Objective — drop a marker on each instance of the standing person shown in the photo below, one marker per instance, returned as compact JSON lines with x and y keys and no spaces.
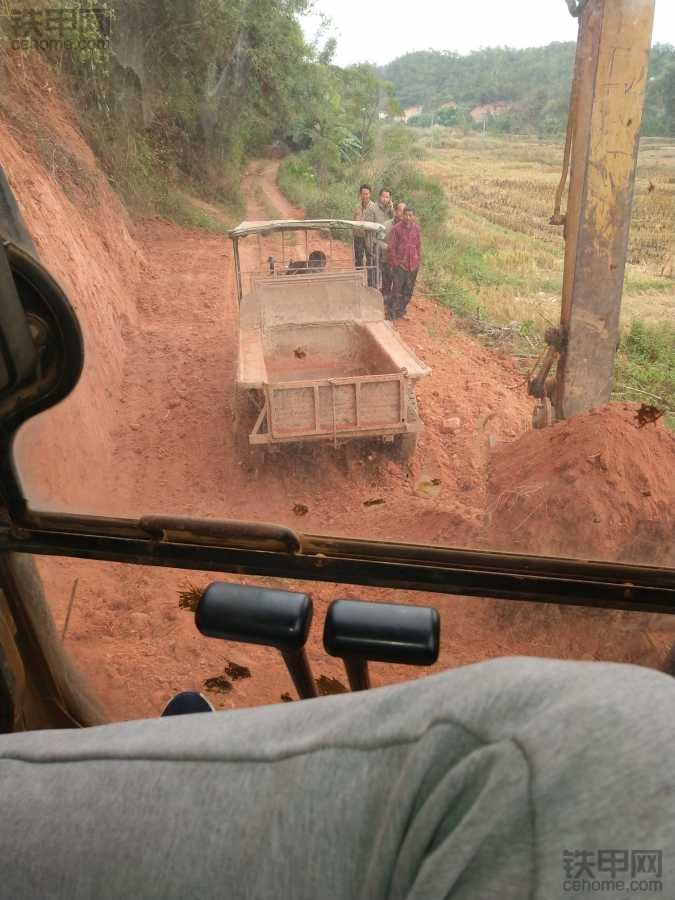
{"x":384,"y":214}
{"x":365,"y":211}
{"x":399,"y":215}
{"x":403,"y":255}
{"x":384,"y":208}
{"x":399,"y":212}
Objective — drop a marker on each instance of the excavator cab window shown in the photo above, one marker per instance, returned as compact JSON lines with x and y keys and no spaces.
{"x":451,"y":436}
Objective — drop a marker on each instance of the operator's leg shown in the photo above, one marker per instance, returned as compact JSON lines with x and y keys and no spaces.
{"x":483,"y":782}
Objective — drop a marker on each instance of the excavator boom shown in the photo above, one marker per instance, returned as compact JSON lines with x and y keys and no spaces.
{"x":608,"y":96}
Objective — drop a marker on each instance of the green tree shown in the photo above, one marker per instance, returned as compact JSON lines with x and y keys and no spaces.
{"x":535,"y":82}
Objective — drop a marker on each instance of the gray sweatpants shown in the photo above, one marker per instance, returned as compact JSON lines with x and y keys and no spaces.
{"x":501,"y":780}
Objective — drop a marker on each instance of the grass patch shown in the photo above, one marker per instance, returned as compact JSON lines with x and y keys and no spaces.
{"x":643,"y":284}
{"x":186,"y":212}
{"x":491,"y":255}
{"x":503,"y":260}
{"x":645,"y":367}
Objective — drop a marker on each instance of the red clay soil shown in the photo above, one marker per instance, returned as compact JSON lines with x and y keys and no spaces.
{"x":599,"y":486}
{"x":83,"y":235}
{"x":149,"y":430}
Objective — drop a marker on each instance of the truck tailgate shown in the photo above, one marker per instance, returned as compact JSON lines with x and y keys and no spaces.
{"x":374,"y":403}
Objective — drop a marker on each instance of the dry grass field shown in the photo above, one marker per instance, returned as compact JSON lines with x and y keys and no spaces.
{"x":507,"y":258}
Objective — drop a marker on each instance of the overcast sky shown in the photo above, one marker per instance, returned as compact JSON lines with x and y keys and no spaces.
{"x":380,"y":30}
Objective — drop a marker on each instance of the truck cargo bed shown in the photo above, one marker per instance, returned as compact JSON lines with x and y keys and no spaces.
{"x":329,"y":350}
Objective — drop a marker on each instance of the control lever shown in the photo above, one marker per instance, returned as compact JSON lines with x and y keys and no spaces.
{"x":358,"y":632}
{"x":251,"y":615}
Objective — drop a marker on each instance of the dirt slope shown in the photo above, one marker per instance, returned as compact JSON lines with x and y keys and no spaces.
{"x":83,"y":235}
{"x":597,"y":486}
{"x":149,"y":430}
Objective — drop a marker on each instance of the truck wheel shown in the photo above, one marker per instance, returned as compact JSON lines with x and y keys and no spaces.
{"x":405,"y":445}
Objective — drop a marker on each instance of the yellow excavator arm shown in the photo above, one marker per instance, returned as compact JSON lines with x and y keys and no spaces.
{"x":608,"y":94}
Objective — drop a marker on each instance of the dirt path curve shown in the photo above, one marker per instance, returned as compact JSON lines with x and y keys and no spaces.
{"x":175,"y":454}
{"x":263,"y":197}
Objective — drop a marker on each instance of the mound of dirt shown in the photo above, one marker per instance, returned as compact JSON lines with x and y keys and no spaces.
{"x":597,"y":486}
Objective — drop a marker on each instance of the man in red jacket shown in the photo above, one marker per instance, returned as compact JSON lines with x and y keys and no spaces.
{"x":404,"y":249}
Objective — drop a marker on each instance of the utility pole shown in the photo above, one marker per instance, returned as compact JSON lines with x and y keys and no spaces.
{"x":611,"y":79}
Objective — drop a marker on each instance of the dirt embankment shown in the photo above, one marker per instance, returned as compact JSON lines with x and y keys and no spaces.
{"x":82,"y":234}
{"x":600,"y":486}
{"x":150,"y":430}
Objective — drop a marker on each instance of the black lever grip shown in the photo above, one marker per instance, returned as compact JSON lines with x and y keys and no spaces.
{"x":252,"y":615}
{"x":382,"y":632}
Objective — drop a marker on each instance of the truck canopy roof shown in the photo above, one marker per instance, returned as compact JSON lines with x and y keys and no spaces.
{"x":246,"y":228}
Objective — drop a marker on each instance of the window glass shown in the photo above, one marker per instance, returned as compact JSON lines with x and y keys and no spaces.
{"x":342,"y":381}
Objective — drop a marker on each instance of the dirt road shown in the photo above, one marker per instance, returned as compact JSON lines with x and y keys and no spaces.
{"x":149,"y":430}
{"x":175,"y":443}
{"x":174,"y":452}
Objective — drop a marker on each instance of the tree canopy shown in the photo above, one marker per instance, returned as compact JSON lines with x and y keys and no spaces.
{"x":534,"y":82}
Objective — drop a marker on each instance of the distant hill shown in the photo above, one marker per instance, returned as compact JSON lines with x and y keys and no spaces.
{"x":530,"y":86}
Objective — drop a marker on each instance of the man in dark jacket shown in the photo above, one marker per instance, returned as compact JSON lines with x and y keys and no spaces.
{"x":403,"y":255}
